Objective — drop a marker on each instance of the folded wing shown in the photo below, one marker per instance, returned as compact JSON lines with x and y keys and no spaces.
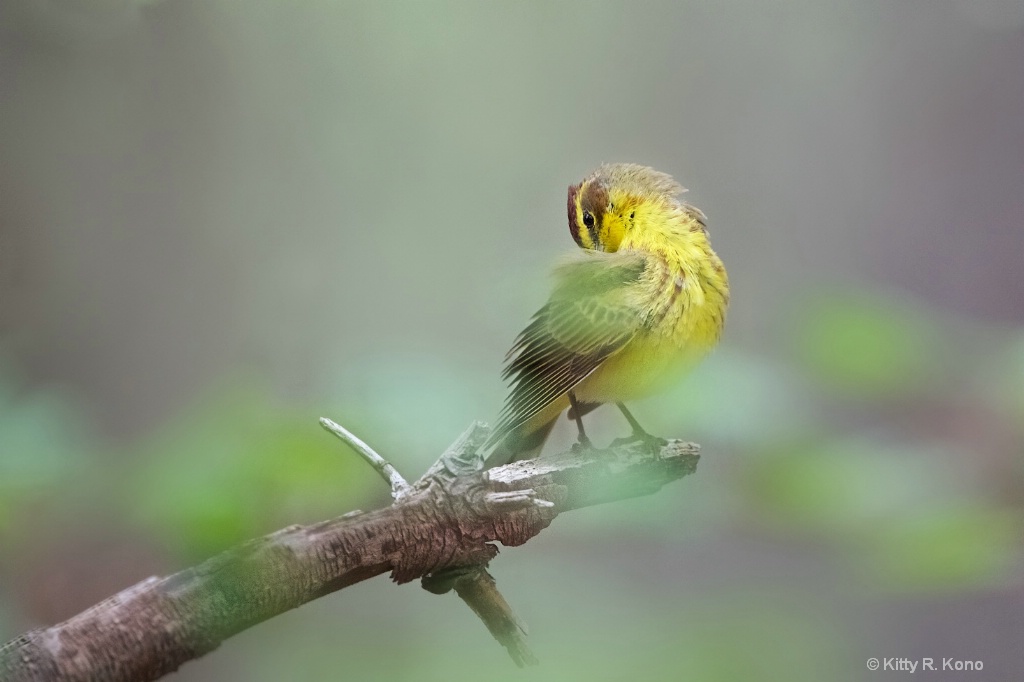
{"x":593,"y":311}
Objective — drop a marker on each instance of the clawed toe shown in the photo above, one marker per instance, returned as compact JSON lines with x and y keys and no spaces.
{"x":583,"y":443}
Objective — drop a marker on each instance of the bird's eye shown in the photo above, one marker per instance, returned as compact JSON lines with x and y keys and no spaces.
{"x":588,"y":218}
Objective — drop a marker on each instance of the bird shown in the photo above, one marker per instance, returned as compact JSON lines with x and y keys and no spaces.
{"x":642,"y":302}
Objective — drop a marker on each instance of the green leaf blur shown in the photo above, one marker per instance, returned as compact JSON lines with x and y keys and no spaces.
{"x":866,"y":345}
{"x":236,"y":465}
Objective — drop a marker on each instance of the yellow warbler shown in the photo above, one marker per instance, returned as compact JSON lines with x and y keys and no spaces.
{"x":644,"y":302}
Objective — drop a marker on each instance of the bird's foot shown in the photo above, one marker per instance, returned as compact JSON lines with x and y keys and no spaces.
{"x":582,"y":443}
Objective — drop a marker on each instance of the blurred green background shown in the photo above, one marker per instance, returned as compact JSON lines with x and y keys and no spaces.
{"x":221,"y":220}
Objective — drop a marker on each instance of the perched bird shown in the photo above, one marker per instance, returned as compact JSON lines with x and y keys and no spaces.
{"x":644,"y":302}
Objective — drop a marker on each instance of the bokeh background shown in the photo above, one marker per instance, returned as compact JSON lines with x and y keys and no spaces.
{"x":222,"y":220}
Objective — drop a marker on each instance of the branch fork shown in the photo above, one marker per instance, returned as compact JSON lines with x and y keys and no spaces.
{"x":471,"y":582}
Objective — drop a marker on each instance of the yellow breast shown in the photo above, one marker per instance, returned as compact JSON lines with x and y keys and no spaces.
{"x":685,"y":293}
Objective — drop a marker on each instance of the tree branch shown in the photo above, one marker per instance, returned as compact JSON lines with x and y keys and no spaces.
{"x":441,"y":529}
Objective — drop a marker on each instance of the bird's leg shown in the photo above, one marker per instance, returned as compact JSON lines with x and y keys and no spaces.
{"x":639,"y":434}
{"x":583,"y":441}
{"x":637,"y":429}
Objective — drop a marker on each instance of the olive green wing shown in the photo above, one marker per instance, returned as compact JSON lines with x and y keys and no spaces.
{"x":593,"y":311}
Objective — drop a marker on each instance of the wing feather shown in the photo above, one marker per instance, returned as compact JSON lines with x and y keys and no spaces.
{"x":591,"y":314}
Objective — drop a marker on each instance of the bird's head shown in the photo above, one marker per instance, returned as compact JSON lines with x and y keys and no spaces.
{"x":618,"y":199}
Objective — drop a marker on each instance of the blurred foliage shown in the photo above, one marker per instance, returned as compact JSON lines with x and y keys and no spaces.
{"x":410,"y":407}
{"x":1006,"y":375}
{"x":957,"y":546}
{"x":888,"y":501}
{"x":739,"y":398}
{"x":45,"y":447}
{"x":829,"y":488}
{"x":889,"y":511}
{"x":237,"y":464}
{"x":45,"y":443}
{"x":867,"y":346}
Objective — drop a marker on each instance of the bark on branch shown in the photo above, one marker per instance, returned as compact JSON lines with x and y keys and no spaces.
{"x":440,"y":529}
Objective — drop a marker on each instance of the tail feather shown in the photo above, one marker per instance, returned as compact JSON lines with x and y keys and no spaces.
{"x":517,"y":445}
